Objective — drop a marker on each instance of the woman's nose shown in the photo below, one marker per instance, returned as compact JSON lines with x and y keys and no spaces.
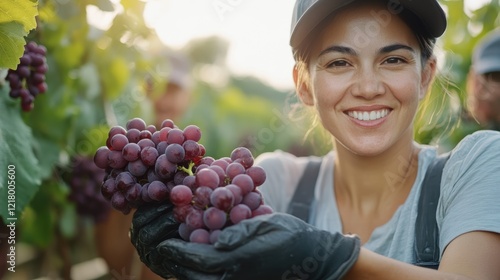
{"x":368,"y":84}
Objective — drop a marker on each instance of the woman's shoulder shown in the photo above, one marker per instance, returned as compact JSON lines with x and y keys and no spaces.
{"x":482,"y":144}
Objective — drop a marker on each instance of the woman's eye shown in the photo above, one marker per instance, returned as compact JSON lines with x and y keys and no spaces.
{"x":338,"y":63}
{"x":394,"y":60}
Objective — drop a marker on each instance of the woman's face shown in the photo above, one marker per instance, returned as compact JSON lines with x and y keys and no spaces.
{"x":366,"y":79}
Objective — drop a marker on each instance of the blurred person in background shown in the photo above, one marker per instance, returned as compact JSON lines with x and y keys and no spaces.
{"x":168,"y":88}
{"x":483,"y":82}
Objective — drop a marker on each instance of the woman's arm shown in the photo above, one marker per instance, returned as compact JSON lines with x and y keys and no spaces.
{"x":474,"y":255}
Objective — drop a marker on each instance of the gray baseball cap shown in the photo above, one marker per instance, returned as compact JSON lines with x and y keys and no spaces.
{"x":308,"y":14}
{"x":486,"y":56}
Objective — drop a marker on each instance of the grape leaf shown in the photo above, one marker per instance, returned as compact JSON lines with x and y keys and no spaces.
{"x":17,"y":18}
{"x":16,"y":151}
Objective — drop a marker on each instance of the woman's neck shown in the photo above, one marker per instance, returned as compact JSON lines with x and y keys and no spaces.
{"x":366,"y":184}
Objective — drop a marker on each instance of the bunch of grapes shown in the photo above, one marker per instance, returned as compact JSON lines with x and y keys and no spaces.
{"x":147,"y":165}
{"x":85,"y":180}
{"x":28,"y":80}
{"x":222,"y":192}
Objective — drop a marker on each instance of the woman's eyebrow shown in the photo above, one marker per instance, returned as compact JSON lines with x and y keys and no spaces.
{"x":394,"y":47}
{"x":340,"y":49}
{"x":351,"y":51}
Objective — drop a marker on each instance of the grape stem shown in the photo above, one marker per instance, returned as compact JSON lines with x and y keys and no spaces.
{"x":188,"y":170}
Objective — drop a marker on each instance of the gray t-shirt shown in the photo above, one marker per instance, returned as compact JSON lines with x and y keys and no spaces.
{"x":469,"y":201}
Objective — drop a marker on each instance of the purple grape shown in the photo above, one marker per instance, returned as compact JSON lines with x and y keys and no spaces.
{"x":158,"y":191}
{"x":252,"y":200}
{"x":191,"y":148}
{"x":149,"y":155}
{"x":116,"y":160}
{"x":201,"y":197}
{"x":181,"y":195}
{"x":137,"y":168}
{"x":119,"y":141}
{"x":145,"y":142}
{"x":168,"y":123}
{"x":164,"y":168}
{"x":101,"y":157}
{"x":194,"y":219}
{"x":207,"y":177}
{"x":245,"y":182}
{"x":175,"y":153}
{"x":239,"y":213}
{"x":184,"y":231}
{"x":237,"y":193}
{"x":214,"y":235}
{"x":257,"y":174}
{"x":200,"y":235}
{"x":181,"y":212}
{"x":175,"y":136}
{"x":133,"y":135}
{"x":214,"y":218}
{"x":262,"y":210}
{"x":136,"y":123}
{"x":222,"y":198}
{"x":131,"y":152}
{"x":124,"y":181}
{"x":243,"y":156}
{"x":192,"y":132}
{"x":234,"y":169}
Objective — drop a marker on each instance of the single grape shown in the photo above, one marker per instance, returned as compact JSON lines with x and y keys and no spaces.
{"x":239,"y":213}
{"x":201,"y":197}
{"x":168,"y":123}
{"x":101,"y":157}
{"x":237,"y":193}
{"x":181,"y":195}
{"x":222,"y":198}
{"x":262,"y":210}
{"x":184,"y":231}
{"x":158,"y":191}
{"x":200,"y":235}
{"x":164,"y":168}
{"x":191,"y":148}
{"x":252,"y":200}
{"x":175,"y":136}
{"x":214,"y":235}
{"x":243,"y":156}
{"x":214,"y":218}
{"x":207,"y":177}
{"x":245,"y":182}
{"x":181,"y":212}
{"x":257,"y":174}
{"x":133,"y":135}
{"x":194,"y":219}
{"x":131,"y":152}
{"x":234,"y":169}
{"x":175,"y":153}
{"x":149,"y":155}
{"x":137,"y":168}
{"x":119,"y":141}
{"x":136,"y":123}
{"x":192,"y":132}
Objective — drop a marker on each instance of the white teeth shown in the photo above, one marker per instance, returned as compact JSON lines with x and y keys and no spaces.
{"x":368,"y":116}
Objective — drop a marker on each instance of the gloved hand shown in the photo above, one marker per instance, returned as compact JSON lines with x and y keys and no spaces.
{"x":153,"y":223}
{"x":273,"y":246}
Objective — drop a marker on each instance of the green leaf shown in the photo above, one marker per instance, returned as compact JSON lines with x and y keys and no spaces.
{"x":16,"y":151}
{"x":17,"y":18}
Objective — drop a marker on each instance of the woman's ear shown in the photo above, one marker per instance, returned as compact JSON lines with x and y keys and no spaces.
{"x":428,"y":74}
{"x":302,"y":88}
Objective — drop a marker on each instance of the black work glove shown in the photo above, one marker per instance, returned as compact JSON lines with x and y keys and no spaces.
{"x":153,"y":223}
{"x":273,"y":246}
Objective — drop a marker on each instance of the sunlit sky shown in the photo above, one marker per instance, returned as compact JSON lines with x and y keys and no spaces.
{"x":257,"y":31}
